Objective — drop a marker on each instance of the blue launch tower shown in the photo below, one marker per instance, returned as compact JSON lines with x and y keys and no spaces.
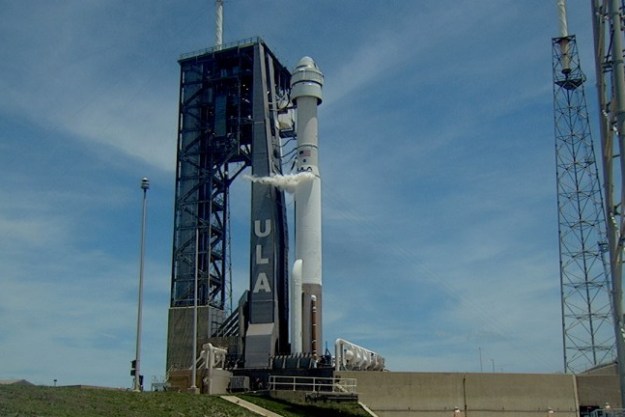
{"x":230,"y":98}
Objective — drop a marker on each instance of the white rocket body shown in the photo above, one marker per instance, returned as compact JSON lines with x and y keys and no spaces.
{"x":296,"y":307}
{"x":306,"y":83}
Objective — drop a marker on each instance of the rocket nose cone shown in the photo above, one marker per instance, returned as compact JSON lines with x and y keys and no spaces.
{"x":306,"y":79}
{"x":307,"y":68}
{"x":306,"y":62}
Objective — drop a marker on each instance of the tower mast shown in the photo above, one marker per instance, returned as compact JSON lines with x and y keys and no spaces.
{"x":587,"y":326}
{"x":219,"y":23}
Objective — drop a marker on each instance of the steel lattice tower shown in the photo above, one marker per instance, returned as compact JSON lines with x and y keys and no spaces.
{"x":227,"y":123}
{"x":588,"y":332}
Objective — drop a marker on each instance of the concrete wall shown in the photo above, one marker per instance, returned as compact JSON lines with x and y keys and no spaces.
{"x":209,"y":381}
{"x":392,"y":394}
{"x":597,"y":390}
{"x":216,"y":381}
{"x":180,"y":334}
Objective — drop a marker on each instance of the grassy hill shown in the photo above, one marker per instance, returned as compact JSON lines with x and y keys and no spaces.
{"x":36,"y":401}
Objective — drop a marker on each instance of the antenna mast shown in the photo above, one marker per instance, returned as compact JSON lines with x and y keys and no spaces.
{"x":564,"y":31}
{"x":219,"y":22}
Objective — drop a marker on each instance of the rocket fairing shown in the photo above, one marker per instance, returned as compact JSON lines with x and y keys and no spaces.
{"x":306,"y":84}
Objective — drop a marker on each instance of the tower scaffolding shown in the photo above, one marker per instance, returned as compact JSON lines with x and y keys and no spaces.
{"x":227,"y":124}
{"x":587,"y":324}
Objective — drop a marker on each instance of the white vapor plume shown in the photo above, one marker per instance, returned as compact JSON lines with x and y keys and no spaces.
{"x":286,"y":182}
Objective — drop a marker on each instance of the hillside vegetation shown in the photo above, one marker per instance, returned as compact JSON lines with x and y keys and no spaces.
{"x":36,"y":401}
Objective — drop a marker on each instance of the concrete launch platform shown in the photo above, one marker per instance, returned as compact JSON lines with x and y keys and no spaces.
{"x":408,"y":394}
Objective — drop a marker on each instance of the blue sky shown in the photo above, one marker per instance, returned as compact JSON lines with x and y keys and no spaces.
{"x":437,"y":158}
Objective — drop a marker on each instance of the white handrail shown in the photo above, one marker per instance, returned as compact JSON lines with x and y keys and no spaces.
{"x":312,"y":384}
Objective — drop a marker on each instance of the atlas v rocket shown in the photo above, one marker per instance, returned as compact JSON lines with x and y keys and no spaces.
{"x":306,"y":299}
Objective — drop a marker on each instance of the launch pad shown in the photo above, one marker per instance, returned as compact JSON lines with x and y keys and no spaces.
{"x":228,"y":121}
{"x":238,"y":108}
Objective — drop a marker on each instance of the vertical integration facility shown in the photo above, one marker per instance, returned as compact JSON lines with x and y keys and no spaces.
{"x":239,"y":108}
{"x":230,"y":98}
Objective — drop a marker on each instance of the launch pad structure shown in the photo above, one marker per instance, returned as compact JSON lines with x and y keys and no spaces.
{"x":228,"y":121}
{"x":237,"y":108}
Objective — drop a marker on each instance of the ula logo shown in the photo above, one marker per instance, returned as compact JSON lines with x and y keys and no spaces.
{"x":261,"y":283}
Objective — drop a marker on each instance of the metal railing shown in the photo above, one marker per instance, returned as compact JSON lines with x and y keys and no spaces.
{"x":312,"y":384}
{"x":240,"y":43}
{"x":608,"y":412}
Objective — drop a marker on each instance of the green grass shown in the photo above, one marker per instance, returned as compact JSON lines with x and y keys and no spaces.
{"x":36,"y":401}
{"x":286,"y":409}
{"x":29,"y":401}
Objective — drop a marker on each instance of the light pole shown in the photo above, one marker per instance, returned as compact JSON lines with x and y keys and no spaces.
{"x":194,"y":358}
{"x":145,"y":185}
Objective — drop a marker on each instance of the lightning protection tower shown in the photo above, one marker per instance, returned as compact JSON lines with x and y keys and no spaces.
{"x":587,"y":325}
